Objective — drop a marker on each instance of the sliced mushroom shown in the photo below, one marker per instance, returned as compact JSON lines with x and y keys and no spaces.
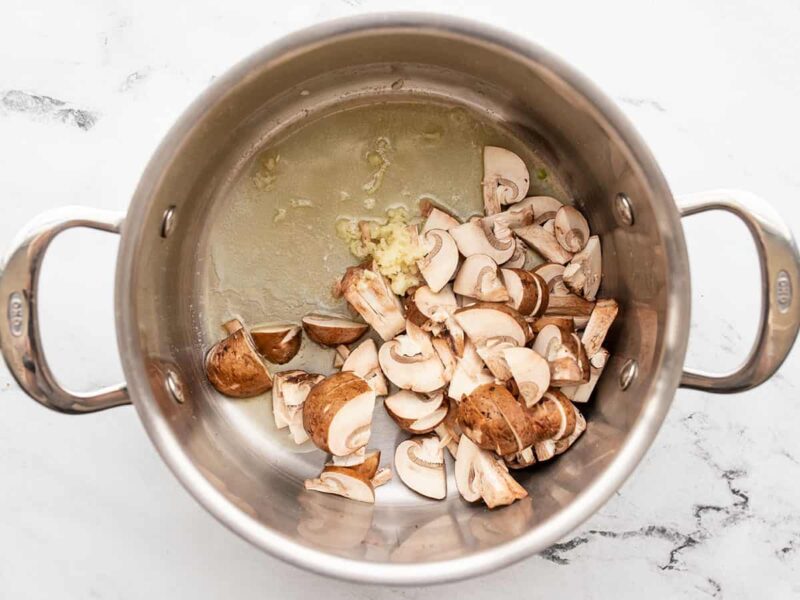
{"x":492,"y":350}
{"x":382,"y":477}
{"x":517,"y":260}
{"x":564,"y":444}
{"x":566,"y":412}
{"x":444,"y":351}
{"x":353,"y":482}
{"x":410,"y":362}
{"x":438,"y":219}
{"x":411,"y":411}
{"x":505,"y":179}
{"x":363,"y":361}
{"x":277,"y":342}
{"x":545,"y":450}
{"x":603,"y":315}
{"x":338,"y":412}
{"x":448,"y":430}
{"x":470,"y":372}
{"x":479,"y":475}
{"x":531,"y":373}
{"x":544,"y":242}
{"x":351,"y":460}
{"x":479,"y":278}
{"x":426,"y":308}
{"x":333,"y":330}
{"x":486,"y":320}
{"x":544,"y":208}
{"x":569,"y":306}
{"x":527,"y":291}
{"x":583,"y":392}
{"x":441,"y":260}
{"x":473,"y":237}
{"x":566,"y":356}
{"x":502,"y":223}
{"x":584,"y":272}
{"x":371,"y":297}
{"x":566,"y":324}
{"x":520,"y":460}
{"x":494,"y":420}
{"x":342,"y":352}
{"x":571,"y":229}
{"x":234,"y":366}
{"x":553,"y":274}
{"x":289,"y":392}
{"x":420,"y":465}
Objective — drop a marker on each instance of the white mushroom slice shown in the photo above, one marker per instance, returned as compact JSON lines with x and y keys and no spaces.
{"x":409,"y":406}
{"x":430,"y":422}
{"x":553,"y":274}
{"x":370,"y":296}
{"x":473,"y":237}
{"x":583,"y":393}
{"x":289,"y":392}
{"x":584,"y":272}
{"x":550,"y":226}
{"x":492,"y":352}
{"x":483,"y":320}
{"x":603,"y":315}
{"x":479,"y":278}
{"x":520,"y":460}
{"x":544,"y":242}
{"x":381,"y":477}
{"x":439,"y":219}
{"x":569,"y":306}
{"x":409,"y":370}
{"x":342,"y":484}
{"x":234,"y":366}
{"x":350,"y":460}
{"x":446,"y":355}
{"x":338,"y":412}
{"x":531,"y":373}
{"x":435,"y":306}
{"x":419,"y":463}
{"x":545,"y":450}
{"x":363,"y":361}
{"x":277,"y":342}
{"x":479,"y":475}
{"x":517,"y":260}
{"x":544,"y":208}
{"x":564,"y":444}
{"x":527,"y":291}
{"x":342,"y":352}
{"x":571,"y":229}
{"x":502,"y":223}
{"x":505,"y":178}
{"x":441,"y":261}
{"x":470,"y":373}
{"x":333,"y":330}
{"x":565,"y":355}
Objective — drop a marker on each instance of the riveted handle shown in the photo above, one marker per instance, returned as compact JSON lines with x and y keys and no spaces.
{"x":780,"y":277}
{"x":19,"y":335}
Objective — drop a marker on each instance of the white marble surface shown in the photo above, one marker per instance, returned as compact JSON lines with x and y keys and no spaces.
{"x":87,"y":510}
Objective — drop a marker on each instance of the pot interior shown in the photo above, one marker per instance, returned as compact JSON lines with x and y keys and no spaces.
{"x":244,"y":244}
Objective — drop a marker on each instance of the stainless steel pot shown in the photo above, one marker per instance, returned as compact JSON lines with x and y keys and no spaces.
{"x":583,"y":136}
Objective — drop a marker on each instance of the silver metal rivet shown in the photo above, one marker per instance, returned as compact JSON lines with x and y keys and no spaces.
{"x":168,"y":221}
{"x":174,"y":386}
{"x":628,"y":373}
{"x":624,"y":209}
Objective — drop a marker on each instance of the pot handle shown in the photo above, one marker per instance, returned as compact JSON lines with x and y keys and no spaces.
{"x":780,"y":278}
{"x":19,"y":335}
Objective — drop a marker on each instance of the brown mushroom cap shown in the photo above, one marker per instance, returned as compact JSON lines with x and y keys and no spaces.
{"x":235,"y":368}
{"x":277,"y":342}
{"x":337,"y":413}
{"x":528,"y":292}
{"x":495,"y":420}
{"x":333,"y":330}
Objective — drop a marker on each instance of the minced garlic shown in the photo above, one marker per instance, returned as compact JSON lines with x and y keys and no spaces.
{"x":393,"y":246}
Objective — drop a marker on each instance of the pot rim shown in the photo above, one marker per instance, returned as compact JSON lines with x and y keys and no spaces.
{"x":643,"y":432}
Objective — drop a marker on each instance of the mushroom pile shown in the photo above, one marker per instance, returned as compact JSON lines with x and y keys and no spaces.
{"x":488,"y":359}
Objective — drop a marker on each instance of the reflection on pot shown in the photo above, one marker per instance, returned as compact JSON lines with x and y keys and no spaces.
{"x":334,"y":522}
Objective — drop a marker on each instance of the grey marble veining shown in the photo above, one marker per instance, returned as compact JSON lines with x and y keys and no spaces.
{"x":87,"y":89}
